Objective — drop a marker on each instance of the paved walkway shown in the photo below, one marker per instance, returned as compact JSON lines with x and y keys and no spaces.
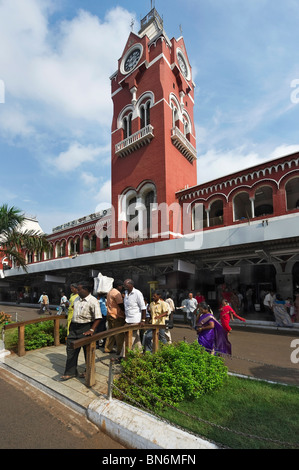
{"x":44,"y":367}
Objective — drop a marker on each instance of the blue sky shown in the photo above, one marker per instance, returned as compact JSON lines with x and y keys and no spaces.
{"x":56,"y":57}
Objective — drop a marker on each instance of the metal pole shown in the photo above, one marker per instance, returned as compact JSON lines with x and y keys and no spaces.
{"x":110,"y":379}
{"x":2,"y":345}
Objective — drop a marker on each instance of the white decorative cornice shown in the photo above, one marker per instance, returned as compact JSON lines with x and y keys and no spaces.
{"x":253,"y":174}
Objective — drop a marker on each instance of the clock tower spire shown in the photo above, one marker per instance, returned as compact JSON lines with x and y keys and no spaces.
{"x":153,"y":132}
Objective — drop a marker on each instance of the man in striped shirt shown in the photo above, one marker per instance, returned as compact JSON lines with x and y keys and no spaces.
{"x":86,"y":317}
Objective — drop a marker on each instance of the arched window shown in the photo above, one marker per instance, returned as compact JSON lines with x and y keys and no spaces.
{"x":49,"y":254}
{"x":74,"y":246}
{"x":216,"y":213}
{"x":86,"y":244}
{"x":263,"y":201}
{"x":127,"y":125}
{"x":29,"y":257}
{"x":242,"y":206}
{"x":105,"y":243}
{"x":292,"y":193}
{"x":93,"y":242}
{"x":60,"y":249}
{"x":186,"y":127}
{"x":175,"y":115}
{"x":148,"y":202}
{"x":199,"y":216}
{"x":145,"y":114}
{"x":132,"y":215}
{"x":37,"y":256}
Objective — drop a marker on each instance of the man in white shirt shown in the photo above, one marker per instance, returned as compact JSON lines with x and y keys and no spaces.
{"x":191,"y":308}
{"x":268,"y":302}
{"x":63,"y":303}
{"x":135,"y":311}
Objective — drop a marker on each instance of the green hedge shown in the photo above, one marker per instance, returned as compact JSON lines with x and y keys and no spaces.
{"x":176,"y":372}
{"x":39,"y":335}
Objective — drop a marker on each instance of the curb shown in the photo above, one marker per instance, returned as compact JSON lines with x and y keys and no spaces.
{"x":131,"y":427}
{"x":137,"y":429}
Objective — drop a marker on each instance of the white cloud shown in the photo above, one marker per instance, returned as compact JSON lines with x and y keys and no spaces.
{"x":14,"y":122}
{"x":284,"y":150}
{"x":215,"y":164}
{"x":103,"y":198}
{"x":75,"y":156}
{"x":89,"y":179}
{"x":63,"y":69}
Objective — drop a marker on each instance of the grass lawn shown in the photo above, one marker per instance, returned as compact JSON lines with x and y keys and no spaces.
{"x":246,"y":406}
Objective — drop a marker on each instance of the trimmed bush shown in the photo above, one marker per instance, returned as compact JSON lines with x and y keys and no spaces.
{"x":40,"y":335}
{"x":176,"y":372}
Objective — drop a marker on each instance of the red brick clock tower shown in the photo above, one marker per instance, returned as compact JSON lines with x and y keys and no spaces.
{"x":153,"y":132}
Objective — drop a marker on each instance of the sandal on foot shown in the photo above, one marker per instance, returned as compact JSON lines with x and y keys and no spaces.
{"x":63,"y":378}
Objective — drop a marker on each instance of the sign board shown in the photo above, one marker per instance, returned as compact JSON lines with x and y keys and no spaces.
{"x":184,"y":266}
{"x":231,"y":270}
{"x":50,"y":278}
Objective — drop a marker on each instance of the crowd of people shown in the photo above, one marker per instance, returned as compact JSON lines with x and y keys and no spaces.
{"x":284,"y":311}
{"x":124,"y":304}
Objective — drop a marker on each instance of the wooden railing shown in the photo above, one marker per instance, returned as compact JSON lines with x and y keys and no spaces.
{"x":21,"y":330}
{"x":90,"y":343}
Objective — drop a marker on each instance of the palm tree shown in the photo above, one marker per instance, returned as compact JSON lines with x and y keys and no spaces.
{"x":14,"y":240}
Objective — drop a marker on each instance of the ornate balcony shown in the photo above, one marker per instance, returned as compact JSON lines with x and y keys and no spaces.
{"x":134,"y":141}
{"x":183,"y":144}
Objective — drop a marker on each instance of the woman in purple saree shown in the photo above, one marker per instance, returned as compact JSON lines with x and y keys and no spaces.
{"x":211,"y":335}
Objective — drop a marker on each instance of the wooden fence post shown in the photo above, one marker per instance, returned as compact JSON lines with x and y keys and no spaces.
{"x":56,"y":332}
{"x":90,"y":364}
{"x":128,"y":341}
{"x":21,"y":340}
{"x":155,"y":340}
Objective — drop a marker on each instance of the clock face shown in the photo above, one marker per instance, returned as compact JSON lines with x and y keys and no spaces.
{"x":132,"y":60}
{"x":183,"y":65}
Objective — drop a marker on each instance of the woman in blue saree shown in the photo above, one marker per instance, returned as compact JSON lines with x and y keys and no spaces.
{"x":211,"y":334}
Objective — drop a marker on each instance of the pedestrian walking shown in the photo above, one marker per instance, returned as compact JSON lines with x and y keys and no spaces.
{"x":115,"y":317}
{"x":86,"y":317}
{"x":135,"y":311}
{"x":74,"y":295}
{"x":227,"y":314}
{"x":268,"y":302}
{"x":211,"y":335}
{"x":44,"y":304}
{"x":191,"y":309}
{"x":64,"y":303}
{"x":102,"y":325}
{"x":159,"y":310}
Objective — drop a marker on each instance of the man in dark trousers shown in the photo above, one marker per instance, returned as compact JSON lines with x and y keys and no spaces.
{"x":86,"y":317}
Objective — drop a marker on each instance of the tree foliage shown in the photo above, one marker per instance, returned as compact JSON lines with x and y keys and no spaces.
{"x":15,"y":239}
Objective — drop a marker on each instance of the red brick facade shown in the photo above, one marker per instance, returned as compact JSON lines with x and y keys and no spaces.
{"x":153,"y":158}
